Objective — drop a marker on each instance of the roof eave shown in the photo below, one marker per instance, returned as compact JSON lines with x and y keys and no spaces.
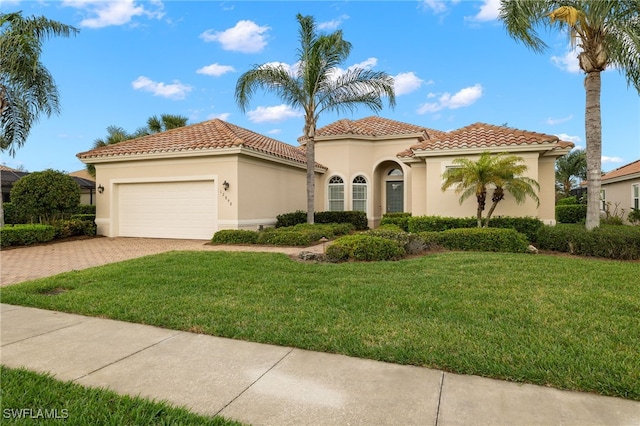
{"x":622,"y":178}
{"x":546,"y":148}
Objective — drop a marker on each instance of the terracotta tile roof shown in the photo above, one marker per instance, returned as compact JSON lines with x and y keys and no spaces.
{"x":208,"y":135}
{"x":374,"y":126}
{"x":481,"y":135}
{"x":7,"y":169}
{"x":625,"y":170}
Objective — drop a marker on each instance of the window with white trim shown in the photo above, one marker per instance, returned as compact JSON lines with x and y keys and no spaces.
{"x":336,"y":194}
{"x":635,"y":199}
{"x":359,"y":194}
{"x":603,"y":199}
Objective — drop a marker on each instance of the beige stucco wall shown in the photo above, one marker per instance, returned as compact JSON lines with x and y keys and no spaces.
{"x":621,"y":193}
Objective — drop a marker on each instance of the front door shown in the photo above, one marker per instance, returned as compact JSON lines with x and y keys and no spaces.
{"x":395,"y":196}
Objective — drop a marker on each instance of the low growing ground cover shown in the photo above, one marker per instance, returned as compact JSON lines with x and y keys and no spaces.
{"x":550,"y":320}
{"x":32,"y":398}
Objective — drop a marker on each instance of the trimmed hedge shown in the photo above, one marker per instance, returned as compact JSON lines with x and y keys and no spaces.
{"x":611,"y":242}
{"x":571,"y":213}
{"x":285,"y":238}
{"x":567,"y":201}
{"x":12,"y":214}
{"x":411,"y":243}
{"x":478,"y":239}
{"x":399,"y":219}
{"x":73,"y":227}
{"x":529,"y":226}
{"x":356,"y":218}
{"x":235,"y":236}
{"x":86,"y":209}
{"x":364,"y":247}
{"x":24,"y":235}
{"x":84,"y":216}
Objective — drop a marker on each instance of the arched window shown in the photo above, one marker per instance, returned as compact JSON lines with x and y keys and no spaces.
{"x":359,"y":194}
{"x":336,"y":194}
{"x":395,"y":172}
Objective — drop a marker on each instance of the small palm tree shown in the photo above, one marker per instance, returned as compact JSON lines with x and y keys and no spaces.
{"x":504,"y":171}
{"x":568,"y":167}
{"x":608,"y":35}
{"x":316,"y":87}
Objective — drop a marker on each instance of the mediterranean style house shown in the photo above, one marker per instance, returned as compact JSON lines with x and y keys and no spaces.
{"x":621,"y":187}
{"x":193,"y":181}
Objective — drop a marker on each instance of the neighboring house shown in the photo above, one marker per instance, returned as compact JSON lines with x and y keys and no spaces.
{"x":192,"y":181}
{"x":87,"y":186}
{"x":10,"y":176}
{"x":621,"y":187}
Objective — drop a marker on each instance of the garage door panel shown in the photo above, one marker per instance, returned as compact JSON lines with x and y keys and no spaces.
{"x":168,"y":209}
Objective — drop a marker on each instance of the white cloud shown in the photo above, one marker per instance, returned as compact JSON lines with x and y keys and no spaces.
{"x":291,"y":69}
{"x":462,"y":98}
{"x":222,"y":116}
{"x":333,"y":24}
{"x":272,"y":114}
{"x":568,"y":138}
{"x":407,"y":82}
{"x":115,"y":12}
{"x":554,"y":121}
{"x":245,"y":37}
{"x":568,"y":62}
{"x":367,"y":64}
{"x":176,"y":90}
{"x":275,"y":131}
{"x":606,"y":159}
{"x":488,"y":11}
{"x":438,"y":6}
{"x":215,"y":70}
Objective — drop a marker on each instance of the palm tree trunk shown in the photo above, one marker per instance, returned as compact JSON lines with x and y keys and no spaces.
{"x":310,"y":133}
{"x":482,"y":198}
{"x":593,"y":134}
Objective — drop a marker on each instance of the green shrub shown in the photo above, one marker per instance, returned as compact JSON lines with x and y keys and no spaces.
{"x":567,"y":201}
{"x":399,"y":219}
{"x":364,"y":247}
{"x":611,"y":242}
{"x":357,"y":219}
{"x":235,"y":236}
{"x":73,"y":227}
{"x":84,"y":216}
{"x":284,"y":238}
{"x":23,"y":235}
{"x":45,"y":196}
{"x":439,"y":223}
{"x":411,"y":243}
{"x":479,"y":239}
{"x":574,"y":213}
{"x":12,"y":214}
{"x":318,"y":230}
{"x":529,"y":226}
{"x":291,"y":219}
{"x":86,"y":209}
{"x":634,"y":216}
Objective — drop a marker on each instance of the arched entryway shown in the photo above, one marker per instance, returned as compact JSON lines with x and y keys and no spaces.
{"x":389,"y":189}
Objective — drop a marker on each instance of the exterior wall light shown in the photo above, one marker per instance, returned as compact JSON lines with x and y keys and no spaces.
{"x":100,"y":189}
{"x":225,"y":185}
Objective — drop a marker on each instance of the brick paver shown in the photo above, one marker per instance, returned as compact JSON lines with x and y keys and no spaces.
{"x":28,"y":263}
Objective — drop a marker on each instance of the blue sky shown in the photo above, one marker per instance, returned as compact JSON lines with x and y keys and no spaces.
{"x":452,"y":61}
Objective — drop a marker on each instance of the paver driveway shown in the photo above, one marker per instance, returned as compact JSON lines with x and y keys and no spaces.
{"x":28,"y":263}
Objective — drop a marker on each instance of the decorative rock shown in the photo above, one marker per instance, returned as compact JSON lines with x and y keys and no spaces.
{"x":309,"y":255}
{"x":531,"y":249}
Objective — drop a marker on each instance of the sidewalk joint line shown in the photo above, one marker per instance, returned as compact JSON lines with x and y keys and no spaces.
{"x":439,"y":399}
{"x":254,"y":382}
{"x":43,"y":333}
{"x":128,"y":356}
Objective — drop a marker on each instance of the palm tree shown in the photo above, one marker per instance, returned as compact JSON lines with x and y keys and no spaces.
{"x":608,"y":35}
{"x":116,"y":134}
{"x":27,"y":89}
{"x":317,"y":86}
{"x":504,"y":171}
{"x":568,"y":167}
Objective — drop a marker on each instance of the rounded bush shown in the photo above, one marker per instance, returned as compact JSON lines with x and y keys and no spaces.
{"x":23,"y":235}
{"x":573,"y":213}
{"x":479,"y":239}
{"x":364,"y":247}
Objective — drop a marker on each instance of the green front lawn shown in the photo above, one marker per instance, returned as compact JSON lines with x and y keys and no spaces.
{"x":559,"y":321}
{"x":31,"y":398}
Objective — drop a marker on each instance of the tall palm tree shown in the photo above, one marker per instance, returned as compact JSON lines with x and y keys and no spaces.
{"x":504,"y":171}
{"x":165,"y":122}
{"x":608,"y":35}
{"x":27,"y":88}
{"x":569,"y":167}
{"x":317,"y":86}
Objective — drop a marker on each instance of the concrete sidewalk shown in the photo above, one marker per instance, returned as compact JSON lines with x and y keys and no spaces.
{"x":271,"y":385}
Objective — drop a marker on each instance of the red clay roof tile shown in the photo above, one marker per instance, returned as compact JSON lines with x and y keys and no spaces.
{"x":374,"y":126}
{"x":212,"y":134}
{"x":625,"y":170}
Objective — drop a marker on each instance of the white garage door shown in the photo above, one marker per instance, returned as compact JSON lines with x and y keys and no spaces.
{"x":168,"y":210}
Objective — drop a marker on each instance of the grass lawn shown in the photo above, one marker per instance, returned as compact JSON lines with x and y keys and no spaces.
{"x":29,"y":398}
{"x":559,"y":321}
